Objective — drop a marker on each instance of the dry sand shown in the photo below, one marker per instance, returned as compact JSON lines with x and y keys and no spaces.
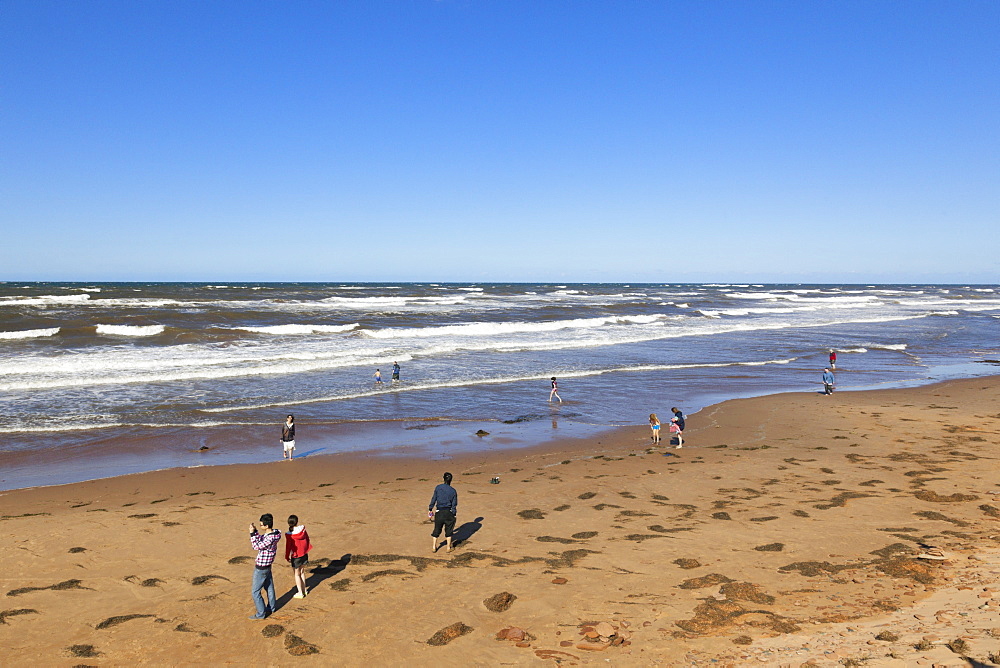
{"x":786,"y":531}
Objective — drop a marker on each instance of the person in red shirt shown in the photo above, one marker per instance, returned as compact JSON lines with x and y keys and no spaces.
{"x":297,"y":548}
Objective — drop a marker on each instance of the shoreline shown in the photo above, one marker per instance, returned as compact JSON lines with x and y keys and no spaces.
{"x":787,"y":529}
{"x":157,"y":448}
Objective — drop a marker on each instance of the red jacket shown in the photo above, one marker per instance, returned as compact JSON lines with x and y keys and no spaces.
{"x":297,"y":542}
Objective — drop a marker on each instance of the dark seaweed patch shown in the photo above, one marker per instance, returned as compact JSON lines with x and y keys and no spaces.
{"x":389,"y":571}
{"x":119,"y":619}
{"x":14,"y":613}
{"x":709,"y":580}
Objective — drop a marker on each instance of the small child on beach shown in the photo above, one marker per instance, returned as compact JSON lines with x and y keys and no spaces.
{"x":654,"y":424}
{"x":378,"y":377}
{"x":555,"y":391}
{"x":297,"y":548}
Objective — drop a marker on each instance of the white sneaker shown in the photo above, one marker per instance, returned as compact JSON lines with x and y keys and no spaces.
{"x":298,"y":595}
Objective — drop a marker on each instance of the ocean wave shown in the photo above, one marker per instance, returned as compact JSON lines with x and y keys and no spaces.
{"x":130,"y":330}
{"x":499,"y":328}
{"x":369,"y":302}
{"x":30,"y":333}
{"x":299,"y":329}
{"x":44,"y":300}
{"x":498,"y":380}
{"x":186,"y":362}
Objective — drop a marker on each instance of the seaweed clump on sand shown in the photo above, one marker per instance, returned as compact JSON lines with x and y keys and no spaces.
{"x":709,"y":580}
{"x":687,"y":563}
{"x":272,"y":630}
{"x":118,"y":619}
{"x":4,"y":614}
{"x":83,"y":651}
{"x":296,"y":646}
{"x":59,"y":586}
{"x":934,"y":497}
{"x":449,"y":633}
{"x":745,"y":591}
{"x":500,"y":602}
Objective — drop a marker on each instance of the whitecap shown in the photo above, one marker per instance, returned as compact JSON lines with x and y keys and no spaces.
{"x":299,"y":329}
{"x":130,"y":330}
{"x":30,"y":333}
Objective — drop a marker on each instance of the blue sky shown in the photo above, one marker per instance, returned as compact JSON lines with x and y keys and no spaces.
{"x":500,"y":141}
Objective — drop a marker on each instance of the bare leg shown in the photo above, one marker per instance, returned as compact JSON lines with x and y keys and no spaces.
{"x":448,"y":541}
{"x":434,"y":548}
{"x":300,"y":581}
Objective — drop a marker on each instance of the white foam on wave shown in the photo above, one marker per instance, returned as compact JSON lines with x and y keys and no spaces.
{"x":299,"y":329}
{"x":500,"y":328}
{"x":472,"y":289}
{"x":489,"y":381}
{"x":44,"y":300}
{"x":130,"y":330}
{"x":30,"y":333}
{"x":369,"y":302}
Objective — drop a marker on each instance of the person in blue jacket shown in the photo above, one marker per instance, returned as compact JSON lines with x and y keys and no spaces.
{"x":828,"y":381}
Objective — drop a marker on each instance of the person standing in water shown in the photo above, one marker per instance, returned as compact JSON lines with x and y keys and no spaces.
{"x":395,"y":372}
{"x":833,"y":359}
{"x":445,"y":500}
{"x":555,"y":391}
{"x":297,"y":548}
{"x":288,"y":438}
{"x":378,"y":377}
{"x":654,"y":424}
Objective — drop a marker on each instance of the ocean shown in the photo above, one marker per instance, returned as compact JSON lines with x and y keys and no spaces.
{"x":100,"y":379}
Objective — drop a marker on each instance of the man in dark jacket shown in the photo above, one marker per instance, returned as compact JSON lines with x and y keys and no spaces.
{"x":445,"y":499}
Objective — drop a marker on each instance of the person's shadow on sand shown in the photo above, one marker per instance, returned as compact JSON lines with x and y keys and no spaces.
{"x":466,"y":531}
{"x":317,"y":575}
{"x":307,"y":453}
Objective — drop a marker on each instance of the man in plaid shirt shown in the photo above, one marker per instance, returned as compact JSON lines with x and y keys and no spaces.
{"x":266,"y":545}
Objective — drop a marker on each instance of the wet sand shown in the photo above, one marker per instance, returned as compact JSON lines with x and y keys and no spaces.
{"x":788,"y":530}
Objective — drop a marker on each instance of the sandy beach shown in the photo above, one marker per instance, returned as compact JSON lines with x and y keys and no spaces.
{"x":790,"y":529}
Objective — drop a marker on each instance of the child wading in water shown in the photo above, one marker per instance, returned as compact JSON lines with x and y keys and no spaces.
{"x":654,"y":424}
{"x":555,"y":391}
{"x":297,"y":548}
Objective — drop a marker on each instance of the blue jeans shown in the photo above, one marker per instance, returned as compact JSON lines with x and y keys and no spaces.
{"x":262,"y":578}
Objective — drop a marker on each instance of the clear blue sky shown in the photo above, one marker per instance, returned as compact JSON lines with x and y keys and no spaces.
{"x":500,"y":140}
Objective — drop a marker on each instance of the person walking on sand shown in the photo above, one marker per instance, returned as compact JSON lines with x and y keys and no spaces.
{"x":378,"y":377}
{"x":266,"y":545}
{"x":654,"y":424}
{"x":828,"y":381}
{"x":395,"y":372}
{"x":555,"y":391}
{"x":297,"y":548}
{"x":833,"y":359}
{"x":445,"y":500}
{"x":288,"y":438}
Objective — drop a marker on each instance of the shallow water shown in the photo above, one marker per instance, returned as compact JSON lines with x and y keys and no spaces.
{"x":166,"y":368}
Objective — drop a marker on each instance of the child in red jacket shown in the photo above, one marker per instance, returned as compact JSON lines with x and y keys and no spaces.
{"x":297,"y":547}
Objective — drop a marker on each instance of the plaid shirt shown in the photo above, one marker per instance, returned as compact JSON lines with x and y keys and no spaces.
{"x":266,"y":546}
